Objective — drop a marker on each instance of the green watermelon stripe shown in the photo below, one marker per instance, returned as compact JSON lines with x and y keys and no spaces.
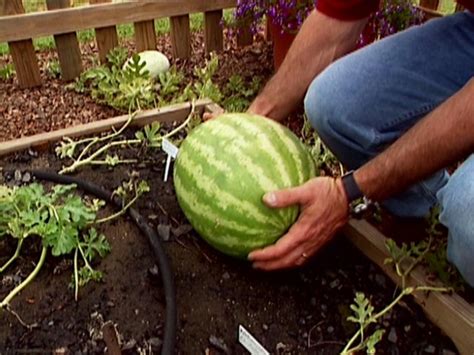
{"x":224,"y":238}
{"x":222,"y":199}
{"x":265,"y":154}
{"x":246,"y":128}
{"x":257,"y":171}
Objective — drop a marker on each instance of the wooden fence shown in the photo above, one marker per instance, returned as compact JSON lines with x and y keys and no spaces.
{"x":63,"y":21}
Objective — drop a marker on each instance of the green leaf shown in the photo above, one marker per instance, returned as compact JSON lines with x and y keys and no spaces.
{"x":373,"y":340}
{"x":95,"y":244}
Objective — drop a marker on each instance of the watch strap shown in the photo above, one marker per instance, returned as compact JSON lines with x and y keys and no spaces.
{"x":353,"y":191}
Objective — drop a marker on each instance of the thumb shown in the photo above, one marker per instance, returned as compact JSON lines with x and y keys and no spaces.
{"x":283,"y":198}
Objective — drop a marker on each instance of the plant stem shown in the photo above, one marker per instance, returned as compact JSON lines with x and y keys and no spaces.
{"x":84,"y":257}
{"x":25,"y":282}
{"x":76,"y":277}
{"x":13,"y":258}
{"x":103,"y":162}
{"x":119,"y":213}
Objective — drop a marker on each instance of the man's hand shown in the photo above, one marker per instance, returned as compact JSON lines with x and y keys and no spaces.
{"x":324,"y":210}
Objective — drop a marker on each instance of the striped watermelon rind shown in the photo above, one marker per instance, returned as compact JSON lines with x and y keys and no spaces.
{"x":223,"y":169}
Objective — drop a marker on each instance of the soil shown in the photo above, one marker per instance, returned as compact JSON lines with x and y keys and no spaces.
{"x":300,"y":311}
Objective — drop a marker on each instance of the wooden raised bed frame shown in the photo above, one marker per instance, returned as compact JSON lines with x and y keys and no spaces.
{"x":450,"y":312}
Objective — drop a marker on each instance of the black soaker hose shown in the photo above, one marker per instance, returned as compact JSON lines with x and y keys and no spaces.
{"x":169,"y":333}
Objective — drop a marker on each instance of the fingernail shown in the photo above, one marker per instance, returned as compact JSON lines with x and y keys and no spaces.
{"x":270,"y":199}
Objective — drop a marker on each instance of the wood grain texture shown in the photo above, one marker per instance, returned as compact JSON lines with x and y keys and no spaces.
{"x":450,"y":312}
{"x":430,"y":4}
{"x":213,"y":34}
{"x":106,"y":37}
{"x":67,"y":46}
{"x":145,"y":37}
{"x":180,"y":36}
{"x":165,"y":114}
{"x":22,"y":52}
{"x":47,"y":23}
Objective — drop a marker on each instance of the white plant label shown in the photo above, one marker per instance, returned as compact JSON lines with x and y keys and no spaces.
{"x":250,"y":343}
{"x":172,"y":152}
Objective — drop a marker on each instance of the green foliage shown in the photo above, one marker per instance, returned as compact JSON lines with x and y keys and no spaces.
{"x":237,"y":96}
{"x":204,"y":87}
{"x":126,"y":89}
{"x":7,"y":71}
{"x":59,"y":219}
{"x":54,"y":69}
{"x":322,"y":156}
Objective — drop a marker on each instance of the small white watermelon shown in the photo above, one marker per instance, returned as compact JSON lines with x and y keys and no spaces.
{"x":155,"y":62}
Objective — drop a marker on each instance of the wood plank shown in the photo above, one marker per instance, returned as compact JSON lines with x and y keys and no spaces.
{"x":429,"y":13}
{"x":430,"y":4}
{"x":244,"y":37}
{"x":19,"y":27}
{"x":106,"y":37}
{"x":459,"y":8}
{"x":145,"y":36}
{"x":22,"y":52}
{"x":180,"y":36}
{"x":450,"y":312}
{"x":67,"y":46}
{"x":213,"y":34}
{"x":165,"y":114}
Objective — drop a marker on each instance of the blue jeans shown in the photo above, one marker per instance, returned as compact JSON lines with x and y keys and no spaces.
{"x":366,"y":100}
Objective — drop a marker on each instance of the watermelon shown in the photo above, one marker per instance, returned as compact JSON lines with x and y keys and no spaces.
{"x":155,"y":62}
{"x":223,"y":169}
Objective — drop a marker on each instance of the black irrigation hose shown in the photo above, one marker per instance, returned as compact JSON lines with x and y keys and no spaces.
{"x":169,"y":334}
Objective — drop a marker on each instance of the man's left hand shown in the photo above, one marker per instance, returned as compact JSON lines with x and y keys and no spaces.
{"x":324,"y":210}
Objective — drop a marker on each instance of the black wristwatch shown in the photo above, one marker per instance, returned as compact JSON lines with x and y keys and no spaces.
{"x":358,"y":203}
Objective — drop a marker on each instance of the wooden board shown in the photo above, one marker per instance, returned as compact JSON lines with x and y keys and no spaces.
{"x":180,"y":36}
{"x":67,"y":46}
{"x":19,"y":27}
{"x":106,"y":37}
{"x":430,"y":4}
{"x":22,"y":52}
{"x":213,"y":34}
{"x":145,"y":37}
{"x":165,"y":114}
{"x":451,"y":313}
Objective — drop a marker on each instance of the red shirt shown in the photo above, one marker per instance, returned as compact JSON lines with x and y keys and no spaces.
{"x":357,"y":9}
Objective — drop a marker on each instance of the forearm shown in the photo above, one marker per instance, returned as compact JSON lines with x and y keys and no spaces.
{"x":320,"y":41}
{"x":441,"y":138}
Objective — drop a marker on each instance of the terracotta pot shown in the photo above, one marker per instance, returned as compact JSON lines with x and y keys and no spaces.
{"x":281,"y":43}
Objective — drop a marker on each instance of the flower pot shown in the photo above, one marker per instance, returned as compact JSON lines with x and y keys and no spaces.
{"x":281,"y":42}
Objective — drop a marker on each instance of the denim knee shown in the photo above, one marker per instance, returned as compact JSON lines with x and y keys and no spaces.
{"x":457,"y":203}
{"x":338,"y":117}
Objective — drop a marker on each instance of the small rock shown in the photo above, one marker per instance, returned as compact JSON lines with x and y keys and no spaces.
{"x":392,"y":336}
{"x":182,"y":230}
{"x":219,"y":344}
{"x":110,"y":304}
{"x":280,"y":348}
{"x":164,"y":231}
{"x":447,"y":352}
{"x":32,"y":153}
{"x":17,"y":175}
{"x":407,"y":328}
{"x":226,"y":276}
{"x":155,"y":343}
{"x":264,"y":326}
{"x":335,"y":283}
{"x":422,"y":325}
{"x":26,"y":177}
{"x":330,"y":330}
{"x":154,"y":271}
{"x":60,"y":351}
{"x":51,"y":323}
{"x":136,"y":311}
{"x":430,"y":349}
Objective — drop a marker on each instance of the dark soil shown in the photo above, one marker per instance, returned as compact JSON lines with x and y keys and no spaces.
{"x":301,"y":311}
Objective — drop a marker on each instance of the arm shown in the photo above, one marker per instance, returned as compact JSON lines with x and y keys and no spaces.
{"x":320,"y":41}
{"x":441,"y":138}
